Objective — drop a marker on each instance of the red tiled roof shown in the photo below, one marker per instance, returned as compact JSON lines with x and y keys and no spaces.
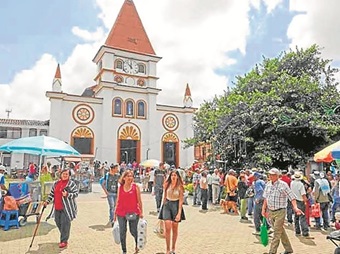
{"x":24,"y":122}
{"x":57,"y":72}
{"x":128,"y":32}
{"x":187,"y":91}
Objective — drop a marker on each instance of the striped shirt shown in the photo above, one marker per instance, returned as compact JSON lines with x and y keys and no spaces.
{"x":70,"y":206}
{"x":277,"y":194}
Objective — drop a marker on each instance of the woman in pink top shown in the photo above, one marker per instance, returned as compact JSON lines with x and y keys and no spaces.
{"x":129,"y":208}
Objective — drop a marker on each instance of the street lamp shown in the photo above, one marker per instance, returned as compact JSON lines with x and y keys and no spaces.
{"x":147,"y":153}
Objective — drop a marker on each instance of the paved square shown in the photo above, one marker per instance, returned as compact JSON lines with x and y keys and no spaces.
{"x":204,"y":233}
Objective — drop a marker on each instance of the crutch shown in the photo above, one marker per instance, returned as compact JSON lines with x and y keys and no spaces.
{"x":37,"y":226}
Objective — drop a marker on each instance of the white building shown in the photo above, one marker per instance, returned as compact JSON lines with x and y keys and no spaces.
{"x":118,"y":118}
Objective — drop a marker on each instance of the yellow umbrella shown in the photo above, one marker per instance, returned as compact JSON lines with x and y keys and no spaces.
{"x":325,"y":155}
{"x":151,"y":163}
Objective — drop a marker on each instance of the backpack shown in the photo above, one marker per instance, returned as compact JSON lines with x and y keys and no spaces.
{"x":111,"y":182}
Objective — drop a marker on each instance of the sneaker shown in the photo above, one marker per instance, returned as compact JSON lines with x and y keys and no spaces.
{"x":289,"y":224}
{"x":62,"y":245}
{"x":297,"y":234}
{"x":244,"y":218}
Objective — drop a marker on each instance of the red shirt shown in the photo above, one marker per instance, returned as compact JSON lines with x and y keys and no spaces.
{"x":127,"y":201}
{"x":58,"y":197}
{"x":286,"y":179}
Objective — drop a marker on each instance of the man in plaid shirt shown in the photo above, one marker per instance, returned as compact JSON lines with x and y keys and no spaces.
{"x":275,"y":196}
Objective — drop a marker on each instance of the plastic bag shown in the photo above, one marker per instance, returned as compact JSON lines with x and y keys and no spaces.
{"x":116,"y":233}
{"x":141,"y":233}
{"x":316,"y":210}
{"x":159,"y":229}
{"x":264,"y":233}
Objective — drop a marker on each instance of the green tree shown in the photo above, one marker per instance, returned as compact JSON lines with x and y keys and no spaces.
{"x":278,"y":114}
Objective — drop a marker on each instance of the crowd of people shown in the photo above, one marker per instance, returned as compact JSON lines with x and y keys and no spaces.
{"x":275,"y":197}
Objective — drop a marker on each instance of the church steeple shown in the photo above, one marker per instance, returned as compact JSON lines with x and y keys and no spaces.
{"x":187,"y":101}
{"x":128,"y":32}
{"x":56,"y":86}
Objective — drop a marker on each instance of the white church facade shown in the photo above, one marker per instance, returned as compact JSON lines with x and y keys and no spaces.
{"x":118,"y":118}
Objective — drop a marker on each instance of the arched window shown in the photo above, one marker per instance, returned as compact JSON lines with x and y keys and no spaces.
{"x":83,"y":140}
{"x":117,"y":106}
{"x":141,"y":110}
{"x":141,"y":68}
{"x":119,"y":64}
{"x":129,"y":108}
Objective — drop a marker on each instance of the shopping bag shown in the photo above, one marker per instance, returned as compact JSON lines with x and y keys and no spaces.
{"x":159,"y":229}
{"x":141,"y":233}
{"x":316,"y":210}
{"x":264,"y":233}
{"x":116,"y":233}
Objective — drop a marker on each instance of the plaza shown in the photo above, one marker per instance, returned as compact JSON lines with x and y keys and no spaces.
{"x":206,"y":233}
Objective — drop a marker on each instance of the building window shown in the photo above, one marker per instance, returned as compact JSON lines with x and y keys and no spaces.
{"x":129,"y":112}
{"x":82,"y":145}
{"x":32,"y":132}
{"x":43,"y":132}
{"x":141,"y":68}
{"x":117,"y":106}
{"x":3,"y":132}
{"x":119,"y":64}
{"x":100,"y":65}
{"x":141,"y":109}
{"x":10,"y":133}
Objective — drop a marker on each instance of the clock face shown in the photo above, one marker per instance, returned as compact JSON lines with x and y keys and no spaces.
{"x":130,"y":66}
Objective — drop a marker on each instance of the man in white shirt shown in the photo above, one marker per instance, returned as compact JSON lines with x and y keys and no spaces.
{"x":299,"y":191}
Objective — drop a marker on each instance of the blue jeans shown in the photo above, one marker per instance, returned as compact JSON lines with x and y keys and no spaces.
{"x":325,"y":216}
{"x":250,"y":203}
{"x":111,"y":199}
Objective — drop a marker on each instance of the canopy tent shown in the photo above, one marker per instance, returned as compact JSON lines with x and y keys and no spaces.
{"x":329,"y":153}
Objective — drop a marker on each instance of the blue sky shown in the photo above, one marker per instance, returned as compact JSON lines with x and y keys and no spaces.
{"x":205,"y":45}
{"x":32,"y":28}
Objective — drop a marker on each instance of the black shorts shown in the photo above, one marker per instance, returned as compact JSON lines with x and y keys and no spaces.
{"x":232,"y":198}
{"x":169,"y":211}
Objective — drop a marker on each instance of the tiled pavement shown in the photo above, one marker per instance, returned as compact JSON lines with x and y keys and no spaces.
{"x":204,"y":233}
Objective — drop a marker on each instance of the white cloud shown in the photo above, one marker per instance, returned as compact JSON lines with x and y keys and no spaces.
{"x":318,"y":23}
{"x":191,"y":36}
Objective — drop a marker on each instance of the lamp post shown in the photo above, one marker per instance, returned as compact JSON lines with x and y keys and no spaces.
{"x":147,"y":153}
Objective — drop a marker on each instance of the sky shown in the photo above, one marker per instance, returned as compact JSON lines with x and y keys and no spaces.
{"x":203,"y":43}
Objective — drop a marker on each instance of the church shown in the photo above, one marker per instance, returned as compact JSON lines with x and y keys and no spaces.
{"x":118,"y":118}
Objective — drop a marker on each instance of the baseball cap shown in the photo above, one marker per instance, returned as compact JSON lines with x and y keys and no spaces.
{"x":2,"y":168}
{"x":274,"y":171}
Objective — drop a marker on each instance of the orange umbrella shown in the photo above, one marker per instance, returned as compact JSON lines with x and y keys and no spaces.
{"x":325,"y":155}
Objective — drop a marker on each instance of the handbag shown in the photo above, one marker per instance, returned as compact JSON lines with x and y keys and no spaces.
{"x":316,"y":210}
{"x":131,"y":216}
{"x":159,"y":229}
{"x":116,"y":232}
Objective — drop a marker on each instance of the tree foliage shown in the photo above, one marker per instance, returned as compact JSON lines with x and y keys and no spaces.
{"x":278,"y":114}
